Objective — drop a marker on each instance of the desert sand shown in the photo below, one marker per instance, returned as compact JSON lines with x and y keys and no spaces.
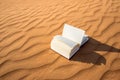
{"x":28,"y":26}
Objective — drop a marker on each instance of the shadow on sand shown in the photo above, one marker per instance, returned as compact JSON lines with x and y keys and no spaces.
{"x":87,"y":52}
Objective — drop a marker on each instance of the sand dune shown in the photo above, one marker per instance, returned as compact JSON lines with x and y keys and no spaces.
{"x":26,"y":30}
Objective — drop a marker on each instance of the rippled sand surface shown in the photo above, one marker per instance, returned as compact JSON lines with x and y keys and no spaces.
{"x":26,"y":30}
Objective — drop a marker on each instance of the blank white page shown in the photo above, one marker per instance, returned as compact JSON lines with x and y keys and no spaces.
{"x":66,"y":41}
{"x":73,"y":33}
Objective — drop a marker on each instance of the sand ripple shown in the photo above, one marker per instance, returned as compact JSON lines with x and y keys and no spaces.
{"x":27,"y":27}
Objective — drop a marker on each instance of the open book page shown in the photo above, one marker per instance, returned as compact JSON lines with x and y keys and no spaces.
{"x":64,"y":46}
{"x":73,"y":33}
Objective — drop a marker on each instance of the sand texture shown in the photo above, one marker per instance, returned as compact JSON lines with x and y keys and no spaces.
{"x":28,"y":26}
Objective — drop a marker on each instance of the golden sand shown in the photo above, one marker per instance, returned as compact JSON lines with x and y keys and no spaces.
{"x":26,"y":30}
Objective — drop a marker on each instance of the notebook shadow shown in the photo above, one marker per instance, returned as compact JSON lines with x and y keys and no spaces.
{"x":87,"y":52}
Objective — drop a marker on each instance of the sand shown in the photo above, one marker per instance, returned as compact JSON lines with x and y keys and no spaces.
{"x":28,"y":26}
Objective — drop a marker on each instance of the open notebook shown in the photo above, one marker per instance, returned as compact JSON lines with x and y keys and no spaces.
{"x":69,"y":42}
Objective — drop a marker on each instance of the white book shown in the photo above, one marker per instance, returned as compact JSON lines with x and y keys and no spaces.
{"x":69,"y":42}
